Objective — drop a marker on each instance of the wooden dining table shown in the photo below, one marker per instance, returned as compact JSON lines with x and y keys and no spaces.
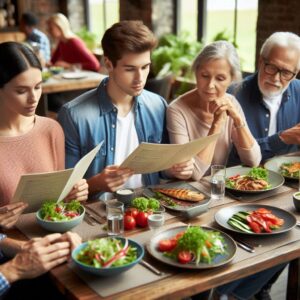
{"x":61,"y":83}
{"x":182,"y":282}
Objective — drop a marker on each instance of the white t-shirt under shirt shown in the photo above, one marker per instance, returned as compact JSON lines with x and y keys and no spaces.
{"x":273,"y":105}
{"x":126,"y":142}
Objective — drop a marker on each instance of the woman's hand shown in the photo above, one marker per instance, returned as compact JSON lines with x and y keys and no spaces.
{"x":9,"y":214}
{"x":225,"y":104}
{"x":182,"y":171}
{"x":79,"y":192}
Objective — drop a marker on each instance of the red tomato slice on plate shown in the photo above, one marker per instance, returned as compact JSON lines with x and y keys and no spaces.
{"x":184,"y":257}
{"x":167,"y":245}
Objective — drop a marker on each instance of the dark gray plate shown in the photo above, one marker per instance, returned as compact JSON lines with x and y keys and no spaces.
{"x":225,"y":213}
{"x":276,"y":180}
{"x":218,"y":261}
{"x":187,"y":209}
{"x":275,"y":163}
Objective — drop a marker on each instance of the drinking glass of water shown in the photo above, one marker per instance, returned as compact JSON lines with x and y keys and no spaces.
{"x":157,"y":219}
{"x":217,"y":182}
{"x":115,"y":217}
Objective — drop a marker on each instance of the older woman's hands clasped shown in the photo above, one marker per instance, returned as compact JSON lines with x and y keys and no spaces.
{"x":222,"y":107}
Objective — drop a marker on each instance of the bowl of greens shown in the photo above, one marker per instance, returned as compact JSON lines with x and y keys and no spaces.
{"x":60,"y":217}
{"x":107,"y":256}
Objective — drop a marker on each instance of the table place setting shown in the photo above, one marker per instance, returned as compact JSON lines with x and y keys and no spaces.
{"x":147,"y":271}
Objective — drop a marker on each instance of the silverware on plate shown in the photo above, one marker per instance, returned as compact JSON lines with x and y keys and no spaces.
{"x":150,"y":267}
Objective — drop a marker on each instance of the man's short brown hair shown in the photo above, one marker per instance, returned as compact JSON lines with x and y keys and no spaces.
{"x":127,"y":37}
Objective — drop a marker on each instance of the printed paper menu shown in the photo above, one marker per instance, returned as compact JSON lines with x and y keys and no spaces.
{"x":36,"y":188}
{"x":149,"y":158}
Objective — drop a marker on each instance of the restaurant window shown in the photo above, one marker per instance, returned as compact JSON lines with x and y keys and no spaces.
{"x":102,"y":15}
{"x":234,"y":20}
{"x":221,"y":19}
{"x":187,"y":17}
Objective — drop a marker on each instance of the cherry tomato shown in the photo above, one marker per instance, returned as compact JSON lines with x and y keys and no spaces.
{"x":132,"y":211}
{"x":142,"y":219}
{"x":184,"y":257}
{"x":167,"y":245}
{"x":129,"y":222}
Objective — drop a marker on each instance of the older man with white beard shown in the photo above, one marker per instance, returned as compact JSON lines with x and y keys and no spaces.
{"x":271,"y":97}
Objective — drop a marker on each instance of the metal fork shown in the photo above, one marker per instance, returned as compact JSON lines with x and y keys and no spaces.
{"x":89,"y":220}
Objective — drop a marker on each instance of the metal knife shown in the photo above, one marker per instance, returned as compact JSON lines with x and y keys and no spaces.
{"x":150,"y":267}
{"x":246,"y":248}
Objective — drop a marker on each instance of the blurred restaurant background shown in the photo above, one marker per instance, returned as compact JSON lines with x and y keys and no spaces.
{"x":183,"y":27}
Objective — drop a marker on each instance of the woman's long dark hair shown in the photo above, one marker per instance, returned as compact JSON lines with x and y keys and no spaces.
{"x":15,"y":58}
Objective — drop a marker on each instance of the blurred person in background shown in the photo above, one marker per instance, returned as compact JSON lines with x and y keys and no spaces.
{"x":70,"y":49}
{"x":36,"y":38}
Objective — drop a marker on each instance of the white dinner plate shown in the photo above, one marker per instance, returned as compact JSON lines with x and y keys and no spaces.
{"x":74,"y":75}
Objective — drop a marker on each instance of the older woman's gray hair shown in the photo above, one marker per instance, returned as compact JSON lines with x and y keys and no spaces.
{"x":281,"y":39}
{"x":220,"y":50}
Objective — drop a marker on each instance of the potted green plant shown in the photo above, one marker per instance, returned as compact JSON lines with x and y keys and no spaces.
{"x":174,"y":55}
{"x":89,"y":38}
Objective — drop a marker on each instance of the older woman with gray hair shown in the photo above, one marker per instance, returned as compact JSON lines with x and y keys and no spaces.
{"x":208,"y":109}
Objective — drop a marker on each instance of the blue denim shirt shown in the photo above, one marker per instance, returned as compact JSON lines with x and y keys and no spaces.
{"x":91,"y":118}
{"x":258,"y":116}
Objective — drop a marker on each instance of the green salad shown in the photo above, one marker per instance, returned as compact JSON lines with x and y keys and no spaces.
{"x":61,"y":211}
{"x":195,"y":245}
{"x":107,"y":252}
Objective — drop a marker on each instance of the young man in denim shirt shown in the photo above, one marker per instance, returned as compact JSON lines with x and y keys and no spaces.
{"x":119,"y":112}
{"x":271,"y":98}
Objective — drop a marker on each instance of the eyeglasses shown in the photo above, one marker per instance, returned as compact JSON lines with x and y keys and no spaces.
{"x":273,"y":70}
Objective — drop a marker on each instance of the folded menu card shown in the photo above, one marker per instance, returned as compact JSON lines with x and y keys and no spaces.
{"x":149,"y":158}
{"x":36,"y":188}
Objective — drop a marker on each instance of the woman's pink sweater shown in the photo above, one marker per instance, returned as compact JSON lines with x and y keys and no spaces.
{"x":42,"y":149}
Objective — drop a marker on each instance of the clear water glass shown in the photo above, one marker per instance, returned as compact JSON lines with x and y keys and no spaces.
{"x":115,"y":217}
{"x":217,"y":182}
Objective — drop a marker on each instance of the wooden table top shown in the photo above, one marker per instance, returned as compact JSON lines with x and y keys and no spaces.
{"x":186,"y":283}
{"x":57,"y":83}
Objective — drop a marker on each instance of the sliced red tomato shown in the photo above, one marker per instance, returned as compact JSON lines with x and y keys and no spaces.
{"x":167,"y":245}
{"x":58,"y":209}
{"x":255,"y":227}
{"x":263,"y":211}
{"x":184,"y":257}
{"x":179,"y":235}
{"x":255,"y":217}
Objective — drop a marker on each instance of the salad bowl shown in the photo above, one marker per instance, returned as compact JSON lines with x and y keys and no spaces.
{"x":59,"y":225}
{"x":108,"y":270}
